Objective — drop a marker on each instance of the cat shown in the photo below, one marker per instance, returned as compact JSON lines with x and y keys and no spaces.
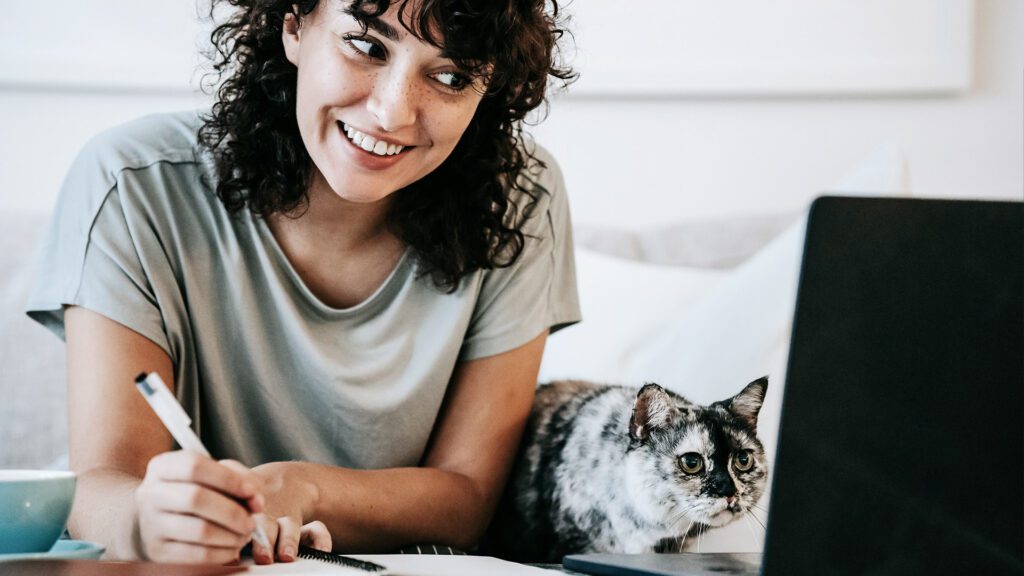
{"x":612,"y":469}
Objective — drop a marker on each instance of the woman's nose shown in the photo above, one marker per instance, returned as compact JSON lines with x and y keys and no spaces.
{"x":393,"y":102}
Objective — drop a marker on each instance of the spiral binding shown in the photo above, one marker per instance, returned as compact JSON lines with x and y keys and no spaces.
{"x":314,"y":554}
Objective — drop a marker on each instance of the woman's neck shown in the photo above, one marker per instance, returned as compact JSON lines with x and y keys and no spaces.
{"x":342,"y":250}
{"x":329,"y":220}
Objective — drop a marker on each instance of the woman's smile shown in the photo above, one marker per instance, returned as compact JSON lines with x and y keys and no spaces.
{"x":372,"y":144}
{"x":370,"y":152}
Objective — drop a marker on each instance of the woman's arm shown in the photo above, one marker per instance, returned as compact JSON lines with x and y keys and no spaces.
{"x":132,"y":494}
{"x":142,"y":501}
{"x":451,"y":498}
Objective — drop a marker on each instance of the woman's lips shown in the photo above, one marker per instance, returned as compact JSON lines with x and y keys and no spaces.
{"x":372,"y":144}
{"x":367,"y":158}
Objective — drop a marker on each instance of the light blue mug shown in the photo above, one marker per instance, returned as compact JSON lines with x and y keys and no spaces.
{"x":34,"y":508}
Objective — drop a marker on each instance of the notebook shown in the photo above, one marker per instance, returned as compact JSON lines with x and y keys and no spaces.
{"x":408,"y":565}
{"x":901,"y":443}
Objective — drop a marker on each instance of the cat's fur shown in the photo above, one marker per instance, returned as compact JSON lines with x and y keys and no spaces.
{"x":599,"y":470}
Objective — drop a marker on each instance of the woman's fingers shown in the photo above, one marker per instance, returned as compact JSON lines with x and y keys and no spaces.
{"x":195,"y":530}
{"x":193,"y":509}
{"x":316,"y":535}
{"x":285,"y":535}
{"x":260,"y":554}
{"x":188,"y":553}
{"x":201,"y":502}
{"x":287,"y":538}
{"x":202,"y":510}
{"x":182,"y":466}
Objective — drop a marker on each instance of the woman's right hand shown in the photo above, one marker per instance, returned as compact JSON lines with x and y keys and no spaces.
{"x":192,"y":509}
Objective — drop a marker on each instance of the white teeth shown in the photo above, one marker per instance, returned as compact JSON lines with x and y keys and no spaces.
{"x":371,"y":144}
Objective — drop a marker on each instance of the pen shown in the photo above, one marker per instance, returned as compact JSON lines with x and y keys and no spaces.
{"x":178,"y":424}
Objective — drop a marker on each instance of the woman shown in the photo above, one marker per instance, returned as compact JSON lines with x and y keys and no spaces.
{"x":346,"y":272}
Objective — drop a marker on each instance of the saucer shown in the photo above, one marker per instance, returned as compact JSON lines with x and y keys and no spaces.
{"x":63,"y":549}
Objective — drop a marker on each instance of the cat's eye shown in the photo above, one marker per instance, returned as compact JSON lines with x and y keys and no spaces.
{"x":743,"y":461}
{"x":691,"y":463}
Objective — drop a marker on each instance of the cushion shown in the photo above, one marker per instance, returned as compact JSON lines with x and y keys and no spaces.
{"x":717,"y":243}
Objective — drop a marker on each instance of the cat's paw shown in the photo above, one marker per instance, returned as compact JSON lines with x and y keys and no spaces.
{"x":671,"y":545}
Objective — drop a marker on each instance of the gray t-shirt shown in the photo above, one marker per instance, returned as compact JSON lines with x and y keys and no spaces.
{"x":266,"y":370}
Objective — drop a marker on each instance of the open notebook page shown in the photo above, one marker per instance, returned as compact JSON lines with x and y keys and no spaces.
{"x":411,"y":565}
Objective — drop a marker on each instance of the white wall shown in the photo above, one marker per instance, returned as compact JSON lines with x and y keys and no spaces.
{"x":640,"y":161}
{"x":643,"y":161}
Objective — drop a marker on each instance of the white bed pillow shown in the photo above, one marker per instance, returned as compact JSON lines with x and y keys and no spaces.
{"x":626,"y":305}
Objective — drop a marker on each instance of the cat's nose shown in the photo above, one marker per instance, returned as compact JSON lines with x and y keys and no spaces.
{"x":730,"y":500}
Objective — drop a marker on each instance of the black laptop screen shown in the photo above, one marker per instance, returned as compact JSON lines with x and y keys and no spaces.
{"x":901,"y":442}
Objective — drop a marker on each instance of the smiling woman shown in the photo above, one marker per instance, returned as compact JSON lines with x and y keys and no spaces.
{"x":346,"y":270}
{"x":453,"y":79}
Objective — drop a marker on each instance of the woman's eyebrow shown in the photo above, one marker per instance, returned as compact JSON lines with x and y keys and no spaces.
{"x":383,"y":28}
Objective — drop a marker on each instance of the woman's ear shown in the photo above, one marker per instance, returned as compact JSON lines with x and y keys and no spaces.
{"x":291,"y":32}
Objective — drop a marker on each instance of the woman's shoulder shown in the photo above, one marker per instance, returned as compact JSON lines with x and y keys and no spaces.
{"x":542,"y":171}
{"x":160,"y":151}
{"x":151,"y":166}
{"x":165,"y":137}
{"x":541,"y":179}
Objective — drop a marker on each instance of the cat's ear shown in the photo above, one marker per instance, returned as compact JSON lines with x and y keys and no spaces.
{"x":746,"y":405}
{"x":653,"y":409}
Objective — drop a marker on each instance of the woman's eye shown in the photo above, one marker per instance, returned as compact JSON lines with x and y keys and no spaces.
{"x":367,"y":47}
{"x":691,"y":463}
{"x":742,"y":461}
{"x":453,"y":80}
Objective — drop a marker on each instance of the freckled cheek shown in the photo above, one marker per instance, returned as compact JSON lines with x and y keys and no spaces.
{"x":331,"y":84}
{"x":449,"y":122}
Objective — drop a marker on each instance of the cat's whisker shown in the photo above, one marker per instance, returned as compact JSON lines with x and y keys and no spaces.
{"x":682,"y":514}
{"x":750,"y":526}
{"x":686,"y":510}
{"x":754,"y":516}
{"x":682,"y":543}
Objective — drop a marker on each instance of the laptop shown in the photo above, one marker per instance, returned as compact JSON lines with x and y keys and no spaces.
{"x":901,"y":442}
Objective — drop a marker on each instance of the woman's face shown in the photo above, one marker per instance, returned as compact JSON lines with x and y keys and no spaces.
{"x":377,"y":111}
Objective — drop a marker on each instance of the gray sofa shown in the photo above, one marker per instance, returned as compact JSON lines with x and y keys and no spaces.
{"x":33,"y":401}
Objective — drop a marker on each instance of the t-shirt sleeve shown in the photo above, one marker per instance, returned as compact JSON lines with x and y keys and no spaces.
{"x":538,"y":291}
{"x":90,"y":255}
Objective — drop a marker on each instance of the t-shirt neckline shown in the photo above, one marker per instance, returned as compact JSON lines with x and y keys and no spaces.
{"x":386,"y":288}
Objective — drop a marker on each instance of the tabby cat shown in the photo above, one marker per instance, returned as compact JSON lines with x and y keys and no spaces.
{"x":612,"y":469}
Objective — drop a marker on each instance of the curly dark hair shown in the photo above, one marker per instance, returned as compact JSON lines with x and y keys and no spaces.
{"x":457,"y":219}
